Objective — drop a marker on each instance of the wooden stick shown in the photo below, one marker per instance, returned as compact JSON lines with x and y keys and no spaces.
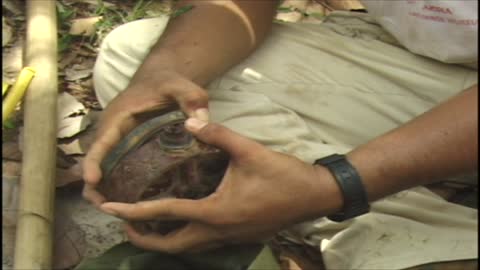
{"x":34,"y":239}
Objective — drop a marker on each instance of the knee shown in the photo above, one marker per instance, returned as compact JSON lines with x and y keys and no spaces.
{"x":121,"y":53}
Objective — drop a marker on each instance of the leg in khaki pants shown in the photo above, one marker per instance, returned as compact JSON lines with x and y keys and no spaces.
{"x":312,"y":90}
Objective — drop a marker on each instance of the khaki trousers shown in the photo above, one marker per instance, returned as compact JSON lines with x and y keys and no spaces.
{"x":311,"y":90}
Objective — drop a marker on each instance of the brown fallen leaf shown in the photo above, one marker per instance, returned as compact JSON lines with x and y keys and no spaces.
{"x":69,"y":175}
{"x":84,"y":62}
{"x":11,"y":169}
{"x":75,"y":87}
{"x":11,"y":151}
{"x":91,"y":2}
{"x":12,"y":62}
{"x":72,"y":74}
{"x":72,"y":148}
{"x":71,"y":116}
{"x":71,"y":126}
{"x":84,"y":26}
{"x":12,"y":6}
{"x":67,"y":59}
{"x":64,"y":161}
{"x":7,"y":32}
{"x":345,"y":4}
{"x":67,"y":106}
{"x":293,"y":16}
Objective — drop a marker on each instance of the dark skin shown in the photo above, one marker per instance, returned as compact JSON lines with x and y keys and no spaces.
{"x":439,"y":143}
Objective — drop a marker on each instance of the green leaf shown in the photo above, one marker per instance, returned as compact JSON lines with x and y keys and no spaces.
{"x":181,"y":10}
{"x":317,"y":15}
{"x":284,"y":9}
{"x":63,"y":13}
{"x":64,"y":42}
{"x":138,"y":11}
{"x":9,"y":124}
{"x":100,"y":9}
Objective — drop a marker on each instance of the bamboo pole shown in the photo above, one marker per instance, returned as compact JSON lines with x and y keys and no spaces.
{"x":34,"y":239}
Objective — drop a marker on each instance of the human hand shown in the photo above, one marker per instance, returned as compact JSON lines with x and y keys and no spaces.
{"x":130,"y":108}
{"x":261,"y":193}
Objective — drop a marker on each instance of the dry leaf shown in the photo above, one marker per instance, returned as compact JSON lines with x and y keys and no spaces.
{"x":67,"y":59}
{"x":7,"y":32}
{"x":293,"y":16}
{"x":11,"y":169}
{"x":68,"y":105}
{"x":74,"y":74}
{"x":12,"y":62}
{"x":70,"y":126}
{"x":75,"y":87}
{"x":84,"y":62}
{"x":11,"y":151}
{"x":295,"y":4}
{"x":12,"y":6}
{"x":91,"y":2}
{"x":70,"y":175}
{"x":345,"y":4}
{"x":73,"y":148}
{"x":84,"y":26}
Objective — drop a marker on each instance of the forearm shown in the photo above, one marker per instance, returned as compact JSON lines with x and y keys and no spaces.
{"x":210,"y":38}
{"x":440,"y":143}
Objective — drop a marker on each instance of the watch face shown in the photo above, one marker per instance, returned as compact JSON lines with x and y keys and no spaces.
{"x":168,"y":162}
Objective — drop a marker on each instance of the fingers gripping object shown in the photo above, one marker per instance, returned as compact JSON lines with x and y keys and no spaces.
{"x":160,"y":159}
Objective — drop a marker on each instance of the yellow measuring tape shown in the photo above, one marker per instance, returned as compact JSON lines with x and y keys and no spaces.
{"x":16,"y":92}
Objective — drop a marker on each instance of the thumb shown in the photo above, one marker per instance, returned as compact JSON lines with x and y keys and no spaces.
{"x":214,"y":134}
{"x":192,"y":99}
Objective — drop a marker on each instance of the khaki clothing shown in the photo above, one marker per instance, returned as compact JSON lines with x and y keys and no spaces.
{"x":312,"y":90}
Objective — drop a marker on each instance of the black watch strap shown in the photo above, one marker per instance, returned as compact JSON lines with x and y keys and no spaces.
{"x":355,"y":202}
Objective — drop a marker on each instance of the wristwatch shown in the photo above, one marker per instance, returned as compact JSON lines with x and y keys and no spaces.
{"x":355,"y":202}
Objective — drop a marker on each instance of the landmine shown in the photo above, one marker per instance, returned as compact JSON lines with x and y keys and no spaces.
{"x":160,"y":159}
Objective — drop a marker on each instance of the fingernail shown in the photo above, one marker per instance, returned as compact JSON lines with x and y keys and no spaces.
{"x":195,"y":124}
{"x":202,"y":114}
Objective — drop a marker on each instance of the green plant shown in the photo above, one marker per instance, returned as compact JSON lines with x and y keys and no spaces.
{"x":64,"y":14}
{"x":9,"y":124}
{"x":181,"y":11}
{"x":284,"y":9}
{"x":138,"y":11}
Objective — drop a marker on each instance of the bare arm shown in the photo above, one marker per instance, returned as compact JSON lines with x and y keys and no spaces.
{"x":264,"y":191}
{"x":210,"y":38}
{"x":195,"y":48}
{"x":442,"y":142}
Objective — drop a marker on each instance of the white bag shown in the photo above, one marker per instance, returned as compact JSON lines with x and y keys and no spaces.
{"x":441,"y":29}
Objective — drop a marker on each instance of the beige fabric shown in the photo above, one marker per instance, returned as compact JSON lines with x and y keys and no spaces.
{"x":312,"y":90}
